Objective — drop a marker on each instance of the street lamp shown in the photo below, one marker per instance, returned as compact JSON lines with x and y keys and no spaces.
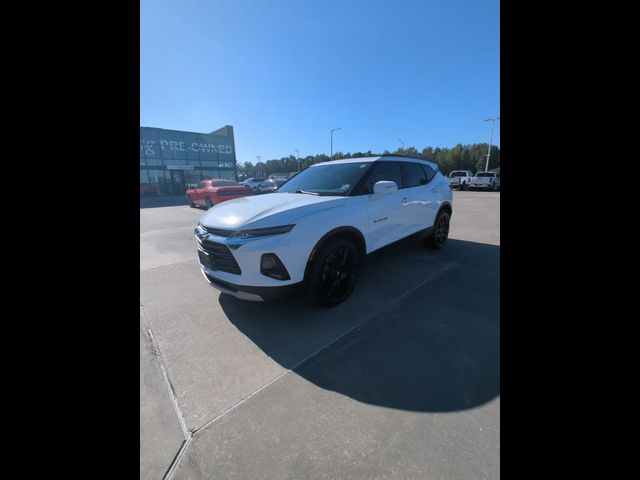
{"x":402,"y":142}
{"x":493,"y":124}
{"x":298,"y":158}
{"x":332,"y":141}
{"x":261,"y":167}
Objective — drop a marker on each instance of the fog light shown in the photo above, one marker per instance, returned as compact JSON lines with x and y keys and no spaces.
{"x":271,"y":266}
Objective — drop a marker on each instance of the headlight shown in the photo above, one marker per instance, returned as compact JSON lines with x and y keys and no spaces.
{"x":260,"y":232}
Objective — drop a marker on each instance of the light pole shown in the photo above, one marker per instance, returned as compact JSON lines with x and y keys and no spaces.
{"x":261,"y":168}
{"x":298,"y":158}
{"x":493,"y":124}
{"x":332,"y":141}
{"x":402,"y":142}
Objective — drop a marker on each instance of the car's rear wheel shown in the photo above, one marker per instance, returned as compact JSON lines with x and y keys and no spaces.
{"x":440,"y":232}
{"x":208,"y":203}
{"x":334,"y":272}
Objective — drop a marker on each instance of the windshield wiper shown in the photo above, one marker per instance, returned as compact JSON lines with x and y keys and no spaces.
{"x":308,"y":193}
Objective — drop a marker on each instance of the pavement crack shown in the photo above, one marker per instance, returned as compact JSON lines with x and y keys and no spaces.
{"x":177,"y":458}
{"x":165,"y":375}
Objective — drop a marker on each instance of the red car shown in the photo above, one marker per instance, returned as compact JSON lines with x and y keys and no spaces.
{"x":213,"y":192}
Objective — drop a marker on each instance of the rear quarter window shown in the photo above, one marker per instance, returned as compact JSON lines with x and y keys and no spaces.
{"x":413,"y":175}
{"x":428,"y":171}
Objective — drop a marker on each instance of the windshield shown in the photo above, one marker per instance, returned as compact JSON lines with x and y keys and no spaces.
{"x":485,"y":174}
{"x":332,"y":179}
{"x":457,"y":174}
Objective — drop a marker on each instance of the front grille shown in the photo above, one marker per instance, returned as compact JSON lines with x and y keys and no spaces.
{"x":219,"y":232}
{"x":222,"y":258}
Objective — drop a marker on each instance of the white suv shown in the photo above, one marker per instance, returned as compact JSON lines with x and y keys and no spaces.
{"x":316,"y":229}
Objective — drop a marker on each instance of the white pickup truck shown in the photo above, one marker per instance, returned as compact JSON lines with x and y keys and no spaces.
{"x":485,"y":181}
{"x":460,"y":179}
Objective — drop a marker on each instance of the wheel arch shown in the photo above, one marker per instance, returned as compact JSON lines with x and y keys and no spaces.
{"x":446,"y":206}
{"x":347,"y":232}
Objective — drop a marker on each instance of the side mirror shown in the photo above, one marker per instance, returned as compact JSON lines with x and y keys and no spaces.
{"x":384,"y":186}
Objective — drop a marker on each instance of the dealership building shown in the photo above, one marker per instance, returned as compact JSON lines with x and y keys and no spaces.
{"x":171,"y":161}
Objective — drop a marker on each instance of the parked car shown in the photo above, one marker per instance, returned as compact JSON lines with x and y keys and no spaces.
{"x":316,"y":229}
{"x":270,"y":185}
{"x":278,"y":176}
{"x":485,"y":181}
{"x":253,"y":182}
{"x":212,"y":192}
{"x":460,"y":179}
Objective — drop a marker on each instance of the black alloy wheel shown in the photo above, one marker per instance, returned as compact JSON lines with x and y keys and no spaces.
{"x":208,"y":202}
{"x":335,"y":272}
{"x":440,"y":233}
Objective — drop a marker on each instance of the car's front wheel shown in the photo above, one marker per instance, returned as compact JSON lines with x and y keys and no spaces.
{"x":440,"y":232}
{"x":208,"y":203}
{"x":334,"y":272}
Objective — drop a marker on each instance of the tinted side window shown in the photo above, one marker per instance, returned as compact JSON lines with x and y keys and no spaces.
{"x":414,"y":175}
{"x":383,"y":171}
{"x":428,"y":171}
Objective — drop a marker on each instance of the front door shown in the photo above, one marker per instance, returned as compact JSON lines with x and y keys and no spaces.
{"x":388,"y":214}
{"x":177,"y":182}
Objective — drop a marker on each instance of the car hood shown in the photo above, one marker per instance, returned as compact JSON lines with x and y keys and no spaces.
{"x":272,"y":209}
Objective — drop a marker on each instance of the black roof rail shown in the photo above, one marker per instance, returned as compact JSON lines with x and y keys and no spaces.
{"x":407,"y":156}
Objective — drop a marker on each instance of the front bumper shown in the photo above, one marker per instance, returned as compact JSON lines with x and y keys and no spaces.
{"x":255,"y":294}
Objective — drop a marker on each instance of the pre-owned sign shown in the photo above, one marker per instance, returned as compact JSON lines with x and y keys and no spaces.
{"x":149,"y":147}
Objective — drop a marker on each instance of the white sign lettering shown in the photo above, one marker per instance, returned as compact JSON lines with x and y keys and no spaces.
{"x":148,"y":147}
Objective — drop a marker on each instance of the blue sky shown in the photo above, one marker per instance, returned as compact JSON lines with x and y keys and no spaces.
{"x":285,"y":72}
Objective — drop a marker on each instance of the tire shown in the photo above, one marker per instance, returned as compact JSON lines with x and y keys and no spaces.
{"x":208,"y":203}
{"x":193,"y":205}
{"x":440,"y":232}
{"x":334,"y":272}
{"x":463,"y":186}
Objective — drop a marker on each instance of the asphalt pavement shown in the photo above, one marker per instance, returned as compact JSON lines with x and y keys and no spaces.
{"x":400,"y":381}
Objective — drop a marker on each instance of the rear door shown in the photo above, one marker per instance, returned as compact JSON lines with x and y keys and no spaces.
{"x":419,"y":199}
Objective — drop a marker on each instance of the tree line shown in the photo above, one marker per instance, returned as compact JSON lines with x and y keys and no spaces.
{"x":461,"y":157}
